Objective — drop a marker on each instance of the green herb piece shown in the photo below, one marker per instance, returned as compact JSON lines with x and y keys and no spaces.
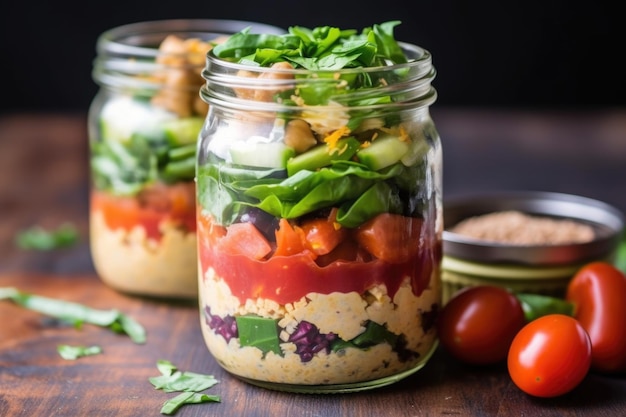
{"x":536,"y":305}
{"x":183,"y":381}
{"x":375,"y":334}
{"x":189,"y":383}
{"x":259,"y":332}
{"x":174,"y":404}
{"x":351,"y":186}
{"x":77,"y":314}
{"x":125,"y":163}
{"x":620,"y":256}
{"x":322,"y":48}
{"x":74,"y":352}
{"x":38,"y":238}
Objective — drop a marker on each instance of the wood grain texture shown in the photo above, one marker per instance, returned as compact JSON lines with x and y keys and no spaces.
{"x":44,"y":180}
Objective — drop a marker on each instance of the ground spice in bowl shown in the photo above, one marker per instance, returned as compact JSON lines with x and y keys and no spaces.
{"x":516,"y":228}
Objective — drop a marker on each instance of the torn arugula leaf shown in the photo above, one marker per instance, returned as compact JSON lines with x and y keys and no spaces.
{"x":74,"y":352}
{"x":189,"y":383}
{"x":77,"y":314}
{"x":38,"y":238}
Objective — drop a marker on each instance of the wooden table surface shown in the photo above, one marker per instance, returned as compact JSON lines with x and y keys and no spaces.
{"x":44,"y":181}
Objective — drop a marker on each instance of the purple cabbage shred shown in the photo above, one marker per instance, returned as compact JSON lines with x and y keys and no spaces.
{"x":309,"y":340}
{"x":226,"y":327}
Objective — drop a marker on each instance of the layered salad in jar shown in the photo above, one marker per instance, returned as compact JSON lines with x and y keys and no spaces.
{"x":319,"y":212}
{"x":144,"y":126}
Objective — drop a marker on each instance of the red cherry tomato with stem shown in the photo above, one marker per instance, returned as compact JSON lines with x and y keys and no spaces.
{"x":478,"y":324}
{"x":550,"y":356}
{"x":598,"y":292}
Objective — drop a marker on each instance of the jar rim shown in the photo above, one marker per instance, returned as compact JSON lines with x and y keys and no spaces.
{"x":412,"y":83}
{"x":117,"y":39}
{"x":126,"y":53}
{"x":419,"y":57}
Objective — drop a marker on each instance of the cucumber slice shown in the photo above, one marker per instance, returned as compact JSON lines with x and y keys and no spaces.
{"x":183,"y":131}
{"x":321,"y":155}
{"x":124,"y":117}
{"x":261,"y":155}
{"x":417,"y":149}
{"x":384,"y":151}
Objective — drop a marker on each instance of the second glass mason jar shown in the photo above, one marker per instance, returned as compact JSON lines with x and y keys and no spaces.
{"x":143,"y":129}
{"x":320,"y":222}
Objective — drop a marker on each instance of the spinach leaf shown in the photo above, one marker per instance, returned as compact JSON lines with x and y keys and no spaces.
{"x":188,"y":383}
{"x":38,"y":238}
{"x":76,"y":313}
{"x":322,"y":48}
{"x":359,"y":192}
{"x":537,"y":305}
{"x":125,"y":167}
{"x":620,"y":256}
{"x":74,"y":352}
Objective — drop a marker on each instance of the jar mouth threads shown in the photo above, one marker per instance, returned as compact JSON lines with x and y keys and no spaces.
{"x":405,"y":83}
{"x":129,"y":52}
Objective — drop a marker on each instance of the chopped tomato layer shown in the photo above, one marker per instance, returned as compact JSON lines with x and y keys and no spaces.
{"x":293,"y":270}
{"x":149,"y":209}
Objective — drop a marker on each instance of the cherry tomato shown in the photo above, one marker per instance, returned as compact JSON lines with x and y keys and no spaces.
{"x":550,"y":356}
{"x":598,"y":292}
{"x":478,"y":324}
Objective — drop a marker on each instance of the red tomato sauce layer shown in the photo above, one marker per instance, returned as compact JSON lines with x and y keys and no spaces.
{"x":149,"y":209}
{"x":286,"y":279}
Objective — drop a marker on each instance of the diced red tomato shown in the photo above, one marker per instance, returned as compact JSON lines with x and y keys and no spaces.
{"x":148,"y":209}
{"x":290,"y":240}
{"x":244,"y":239}
{"x":323,"y":235}
{"x":348,"y":251}
{"x":208,"y":230}
{"x":391,"y":237}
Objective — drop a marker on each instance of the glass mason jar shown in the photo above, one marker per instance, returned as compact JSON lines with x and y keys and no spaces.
{"x":143,"y":129}
{"x":319,"y":225}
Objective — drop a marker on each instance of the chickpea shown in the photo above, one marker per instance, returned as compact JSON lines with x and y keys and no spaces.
{"x":175,"y":96}
{"x":299,"y":136}
{"x":245,"y":93}
{"x":267,"y":95}
{"x":180,"y":76}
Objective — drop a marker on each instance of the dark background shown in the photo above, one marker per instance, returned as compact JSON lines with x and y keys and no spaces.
{"x":533,"y":54}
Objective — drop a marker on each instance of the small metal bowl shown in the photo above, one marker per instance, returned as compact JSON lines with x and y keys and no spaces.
{"x":532,"y":268}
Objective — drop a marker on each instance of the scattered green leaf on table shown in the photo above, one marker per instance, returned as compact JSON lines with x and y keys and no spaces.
{"x":188,"y":383}
{"x":171,"y":406}
{"x":74,"y":352}
{"x":38,"y":238}
{"x":77,"y":314}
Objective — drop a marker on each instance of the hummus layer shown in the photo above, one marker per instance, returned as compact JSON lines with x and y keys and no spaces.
{"x":343,"y":315}
{"x":131,"y":262}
